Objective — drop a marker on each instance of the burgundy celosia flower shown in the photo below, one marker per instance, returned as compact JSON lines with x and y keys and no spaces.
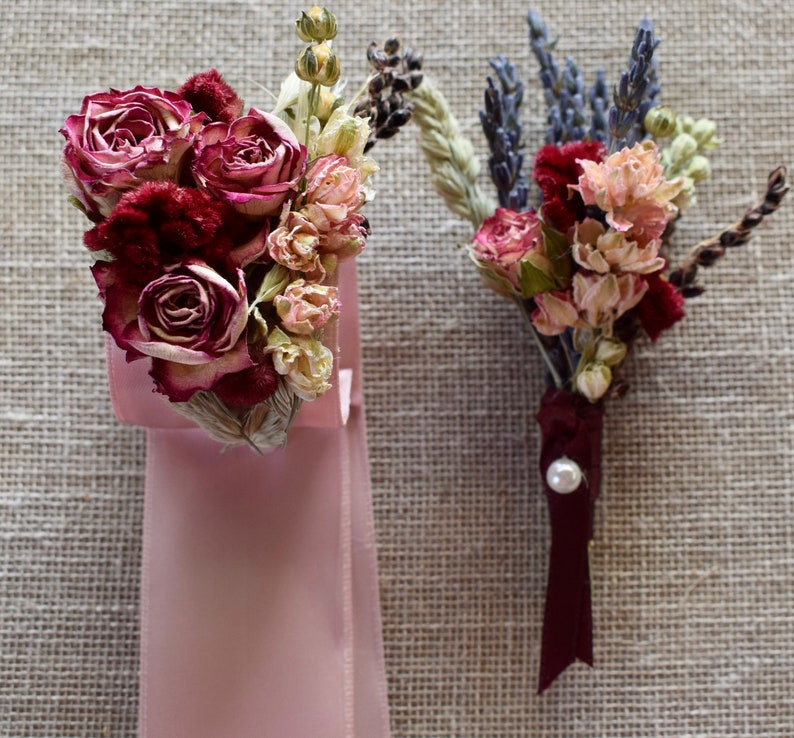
{"x":160,"y":224}
{"x":250,"y":386}
{"x":555,"y":168}
{"x":209,"y":93}
{"x":661,"y":307}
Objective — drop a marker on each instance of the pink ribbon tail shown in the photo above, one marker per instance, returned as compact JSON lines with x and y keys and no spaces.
{"x":570,"y":427}
{"x":260,"y":615}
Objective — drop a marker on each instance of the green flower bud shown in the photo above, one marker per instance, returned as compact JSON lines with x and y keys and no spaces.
{"x":319,"y":24}
{"x":319,"y":65}
{"x":306,"y":67}
{"x":660,"y":122}
{"x":610,"y":351}
{"x":703,"y":132}
{"x":685,"y":123}
{"x":698,"y":168}
{"x":330,"y":70}
{"x":683,"y":148}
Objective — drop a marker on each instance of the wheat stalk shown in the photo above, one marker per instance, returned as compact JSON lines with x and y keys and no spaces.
{"x":453,"y":165}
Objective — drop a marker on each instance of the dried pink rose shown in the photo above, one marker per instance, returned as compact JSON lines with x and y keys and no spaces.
{"x":504,"y":239}
{"x":333,"y":193}
{"x":191,"y":321}
{"x":254,"y":163}
{"x":123,"y":138}
{"x":601,"y":250}
{"x":294,"y":244}
{"x":630,"y":187}
{"x":306,"y":307}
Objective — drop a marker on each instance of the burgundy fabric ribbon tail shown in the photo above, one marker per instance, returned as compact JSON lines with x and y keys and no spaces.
{"x":571,"y":427}
{"x":260,"y":615}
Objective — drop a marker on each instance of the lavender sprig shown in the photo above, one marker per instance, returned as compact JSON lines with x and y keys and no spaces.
{"x":503,"y":130}
{"x":598,"y":96}
{"x":564,"y":90}
{"x":636,"y":92}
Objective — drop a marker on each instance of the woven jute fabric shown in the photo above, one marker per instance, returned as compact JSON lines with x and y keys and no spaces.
{"x":693,"y":565}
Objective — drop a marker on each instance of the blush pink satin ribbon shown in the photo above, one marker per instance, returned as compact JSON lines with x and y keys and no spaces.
{"x":260,"y":615}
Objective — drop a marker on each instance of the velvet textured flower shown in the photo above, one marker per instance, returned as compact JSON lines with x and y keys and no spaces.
{"x":557,"y":167}
{"x":160,"y":224}
{"x":661,"y":308}
{"x":123,"y":138}
{"x":209,"y":93}
{"x":254,"y":163}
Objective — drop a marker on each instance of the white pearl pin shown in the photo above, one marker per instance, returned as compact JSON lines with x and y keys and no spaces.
{"x":564,"y":475}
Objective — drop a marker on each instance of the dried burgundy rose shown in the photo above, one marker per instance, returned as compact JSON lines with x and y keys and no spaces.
{"x":123,"y":138}
{"x":190,"y":320}
{"x":254,"y":164}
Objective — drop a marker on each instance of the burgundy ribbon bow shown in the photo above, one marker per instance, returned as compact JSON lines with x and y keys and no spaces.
{"x":571,"y":427}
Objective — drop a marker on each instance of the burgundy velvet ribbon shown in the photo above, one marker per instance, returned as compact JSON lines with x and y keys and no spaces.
{"x":571,"y":427}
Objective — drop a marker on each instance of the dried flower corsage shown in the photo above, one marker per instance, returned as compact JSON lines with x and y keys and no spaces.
{"x":586,"y":261}
{"x":217,"y":232}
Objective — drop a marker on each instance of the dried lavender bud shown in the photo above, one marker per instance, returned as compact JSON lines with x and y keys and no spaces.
{"x":563,"y":89}
{"x":395,"y":72}
{"x":598,"y":96}
{"x":502,"y":129}
{"x":636,"y":91}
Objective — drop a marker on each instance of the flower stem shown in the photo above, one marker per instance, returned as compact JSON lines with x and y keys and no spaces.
{"x":555,"y":375}
{"x":313,"y":100}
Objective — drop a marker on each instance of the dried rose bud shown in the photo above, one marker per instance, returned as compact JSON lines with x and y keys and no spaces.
{"x":594,"y":380}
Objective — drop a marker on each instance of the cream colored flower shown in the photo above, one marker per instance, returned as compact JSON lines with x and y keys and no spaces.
{"x":304,"y":363}
{"x":594,"y":380}
{"x":601,"y":250}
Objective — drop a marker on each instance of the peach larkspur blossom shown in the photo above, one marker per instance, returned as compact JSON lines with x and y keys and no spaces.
{"x":595,"y":301}
{"x":554,"y":313}
{"x":601,"y":250}
{"x":602,"y":298}
{"x":630,"y":187}
{"x":333,"y":193}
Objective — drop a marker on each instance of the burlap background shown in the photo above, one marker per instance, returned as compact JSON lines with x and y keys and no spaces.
{"x":694,"y":562}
